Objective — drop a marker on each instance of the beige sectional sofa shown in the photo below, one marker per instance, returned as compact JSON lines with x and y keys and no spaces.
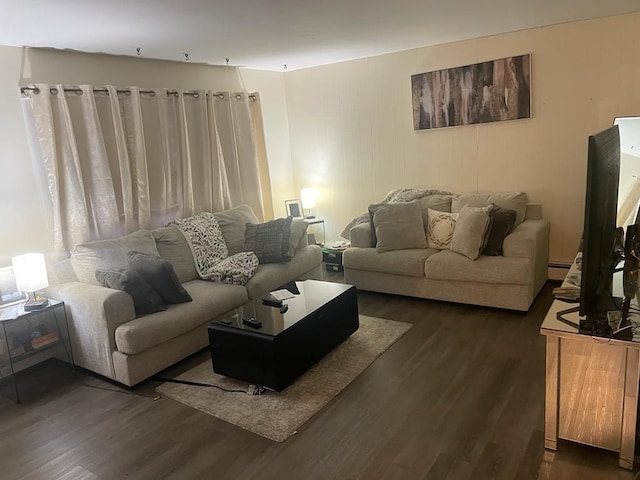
{"x":108,"y":338}
{"x":510,"y":281}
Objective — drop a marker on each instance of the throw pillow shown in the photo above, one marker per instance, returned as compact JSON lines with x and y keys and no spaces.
{"x":159,"y":273}
{"x":503,"y":221}
{"x":398,"y":226}
{"x":145,"y":298}
{"x":269,"y":240}
{"x":440,"y":229}
{"x":471,"y":230}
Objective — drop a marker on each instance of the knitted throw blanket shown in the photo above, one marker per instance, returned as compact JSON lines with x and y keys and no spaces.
{"x":210,"y":252}
{"x":394,"y":196}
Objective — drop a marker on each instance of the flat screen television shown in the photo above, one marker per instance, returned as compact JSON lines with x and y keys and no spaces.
{"x":602,"y":241}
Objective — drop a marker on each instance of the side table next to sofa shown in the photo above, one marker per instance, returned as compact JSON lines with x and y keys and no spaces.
{"x":28,"y":338}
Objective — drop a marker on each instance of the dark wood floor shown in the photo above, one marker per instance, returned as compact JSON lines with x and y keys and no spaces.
{"x":460,"y":396}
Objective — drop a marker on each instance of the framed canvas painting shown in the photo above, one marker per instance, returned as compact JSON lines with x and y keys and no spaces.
{"x":483,"y":92}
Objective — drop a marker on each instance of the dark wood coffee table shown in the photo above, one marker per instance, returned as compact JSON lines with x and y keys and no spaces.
{"x":318,"y":319}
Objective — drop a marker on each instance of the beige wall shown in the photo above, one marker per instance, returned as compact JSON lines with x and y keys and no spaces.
{"x":352,"y":135}
{"x":21,"y":205}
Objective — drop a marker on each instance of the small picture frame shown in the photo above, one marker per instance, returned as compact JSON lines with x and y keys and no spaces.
{"x":294,"y":208}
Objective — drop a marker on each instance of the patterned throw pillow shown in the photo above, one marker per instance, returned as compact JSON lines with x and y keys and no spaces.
{"x":270,"y":240}
{"x":440,"y":229}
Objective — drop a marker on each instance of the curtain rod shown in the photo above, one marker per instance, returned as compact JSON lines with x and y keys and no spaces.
{"x":126,"y":91}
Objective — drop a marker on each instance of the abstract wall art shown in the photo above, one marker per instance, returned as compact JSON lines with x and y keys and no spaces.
{"x":483,"y":92}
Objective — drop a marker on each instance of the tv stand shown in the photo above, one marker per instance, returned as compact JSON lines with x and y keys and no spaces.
{"x":591,"y":386}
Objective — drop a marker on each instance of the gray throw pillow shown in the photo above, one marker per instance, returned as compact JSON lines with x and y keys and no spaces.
{"x":269,"y":240}
{"x":398,"y":226}
{"x":471,"y":230}
{"x":159,"y":273}
{"x":503,"y":221}
{"x":145,"y":298}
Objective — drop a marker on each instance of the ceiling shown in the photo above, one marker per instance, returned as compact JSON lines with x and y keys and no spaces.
{"x":267,"y":34}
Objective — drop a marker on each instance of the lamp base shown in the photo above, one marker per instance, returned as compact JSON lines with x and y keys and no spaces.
{"x":36,"y":304}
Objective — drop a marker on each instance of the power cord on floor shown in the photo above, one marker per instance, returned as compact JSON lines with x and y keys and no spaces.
{"x":251,"y":389}
{"x":124,"y":392}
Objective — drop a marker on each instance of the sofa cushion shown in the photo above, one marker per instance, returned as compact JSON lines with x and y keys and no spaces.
{"x":441,"y":203}
{"x":273,"y":275}
{"x":298,"y":239}
{"x":398,"y":226}
{"x":362,"y":236}
{"x":86,"y":258}
{"x":173,"y":247}
{"x":512,"y":200}
{"x":145,"y":298}
{"x":440,"y":228}
{"x":470,"y":234}
{"x":210,"y":300}
{"x":448,"y":265}
{"x":232,"y":223}
{"x":269,"y":240}
{"x":503,"y":222}
{"x":159,"y":273}
{"x":399,"y":262}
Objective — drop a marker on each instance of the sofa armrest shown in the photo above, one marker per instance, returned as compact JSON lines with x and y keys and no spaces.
{"x":299,"y":233}
{"x":530,"y":239}
{"x":361,"y":236}
{"x":93,"y":314}
{"x":533,"y":212}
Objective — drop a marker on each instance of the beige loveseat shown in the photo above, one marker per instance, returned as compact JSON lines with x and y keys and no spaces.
{"x":108,"y":338}
{"x":510,"y":281}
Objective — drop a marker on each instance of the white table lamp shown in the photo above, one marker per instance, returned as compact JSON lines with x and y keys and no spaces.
{"x":30,"y":271}
{"x":308,"y":198}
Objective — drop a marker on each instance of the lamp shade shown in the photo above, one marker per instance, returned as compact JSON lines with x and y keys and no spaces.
{"x":30,"y":272}
{"x":308,"y":198}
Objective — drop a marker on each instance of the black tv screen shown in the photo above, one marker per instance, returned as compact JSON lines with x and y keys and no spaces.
{"x":600,"y":240}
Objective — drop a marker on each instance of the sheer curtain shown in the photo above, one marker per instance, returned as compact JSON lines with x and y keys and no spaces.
{"x":117,"y":160}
